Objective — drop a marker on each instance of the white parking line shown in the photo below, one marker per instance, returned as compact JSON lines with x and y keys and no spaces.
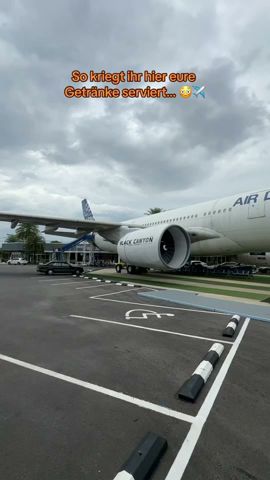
{"x":94,"y":286}
{"x":106,"y":391}
{"x":182,"y":459}
{"x":67,"y":283}
{"x":158,"y":330}
{"x":115,"y":293}
{"x":98,"y":297}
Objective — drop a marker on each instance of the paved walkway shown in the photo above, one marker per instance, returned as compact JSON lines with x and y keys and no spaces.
{"x":254,"y":310}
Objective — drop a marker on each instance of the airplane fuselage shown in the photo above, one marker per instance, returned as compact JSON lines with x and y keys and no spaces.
{"x":242,"y":221}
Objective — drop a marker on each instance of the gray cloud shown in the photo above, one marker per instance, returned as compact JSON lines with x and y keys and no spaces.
{"x":136,"y":153}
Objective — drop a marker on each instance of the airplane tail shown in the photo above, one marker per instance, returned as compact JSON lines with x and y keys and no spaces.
{"x":87,"y":212}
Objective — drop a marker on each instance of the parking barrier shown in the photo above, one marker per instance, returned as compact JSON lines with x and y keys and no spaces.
{"x":192,"y":387}
{"x":143,"y":459}
{"x":231,"y":327}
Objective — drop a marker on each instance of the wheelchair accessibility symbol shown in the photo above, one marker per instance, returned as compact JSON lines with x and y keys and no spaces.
{"x":139,"y":314}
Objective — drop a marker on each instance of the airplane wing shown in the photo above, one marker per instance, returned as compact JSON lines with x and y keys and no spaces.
{"x":197,"y":234}
{"x":53,"y":223}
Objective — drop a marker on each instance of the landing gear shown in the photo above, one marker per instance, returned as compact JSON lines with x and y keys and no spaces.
{"x":118,"y":268}
{"x":141,"y":270}
{"x":136,"y":270}
{"x":131,"y":269}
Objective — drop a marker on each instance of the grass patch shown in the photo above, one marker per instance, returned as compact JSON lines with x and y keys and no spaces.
{"x":147,"y":281}
{"x":262,"y":278}
{"x":205,"y":280}
{"x":230,"y":278}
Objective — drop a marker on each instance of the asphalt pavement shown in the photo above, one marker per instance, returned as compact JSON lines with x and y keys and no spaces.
{"x":88,"y":368}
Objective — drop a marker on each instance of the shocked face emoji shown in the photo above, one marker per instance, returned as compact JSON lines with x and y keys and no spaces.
{"x":185,"y":91}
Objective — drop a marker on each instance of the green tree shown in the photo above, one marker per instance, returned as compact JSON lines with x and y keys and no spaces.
{"x":33,"y":240}
{"x":154,"y":210}
{"x":12,"y":237}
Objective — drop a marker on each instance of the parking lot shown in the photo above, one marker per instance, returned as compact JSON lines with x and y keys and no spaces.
{"x":88,"y":368}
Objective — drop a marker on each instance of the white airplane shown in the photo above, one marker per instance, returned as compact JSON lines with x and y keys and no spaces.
{"x":232,"y":225}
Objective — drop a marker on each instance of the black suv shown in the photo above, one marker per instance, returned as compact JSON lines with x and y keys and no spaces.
{"x":59,"y":267}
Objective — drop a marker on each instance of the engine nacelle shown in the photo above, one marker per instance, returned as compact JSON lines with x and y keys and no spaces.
{"x":162,"y":247}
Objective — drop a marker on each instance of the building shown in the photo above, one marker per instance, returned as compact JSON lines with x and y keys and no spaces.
{"x":84,"y":254}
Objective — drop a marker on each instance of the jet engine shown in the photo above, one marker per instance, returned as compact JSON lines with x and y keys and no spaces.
{"x":167,"y":248}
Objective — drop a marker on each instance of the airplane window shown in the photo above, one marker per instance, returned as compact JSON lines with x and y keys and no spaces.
{"x":209,"y":213}
{"x":188,"y":217}
{"x":224,"y":209}
{"x":191,"y":216}
{"x":230,"y":209}
{"x":219,"y":211}
{"x":204,"y":214}
{"x":196,"y":215}
{"x":214,"y":212}
{"x":184,"y":218}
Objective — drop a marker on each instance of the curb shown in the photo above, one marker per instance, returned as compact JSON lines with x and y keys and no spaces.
{"x":103,"y":280}
{"x":231,"y":327}
{"x":143,"y":459}
{"x":192,"y":387}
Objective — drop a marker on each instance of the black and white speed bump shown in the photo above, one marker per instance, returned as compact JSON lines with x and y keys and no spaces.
{"x":143,"y":459}
{"x":231,"y":327}
{"x":192,"y":387}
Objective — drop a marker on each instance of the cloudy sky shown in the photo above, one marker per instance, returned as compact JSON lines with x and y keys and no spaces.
{"x":126,"y":155}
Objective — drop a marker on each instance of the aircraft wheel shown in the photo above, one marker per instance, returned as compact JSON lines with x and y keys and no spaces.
{"x":131,"y":269}
{"x":118,"y":268}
